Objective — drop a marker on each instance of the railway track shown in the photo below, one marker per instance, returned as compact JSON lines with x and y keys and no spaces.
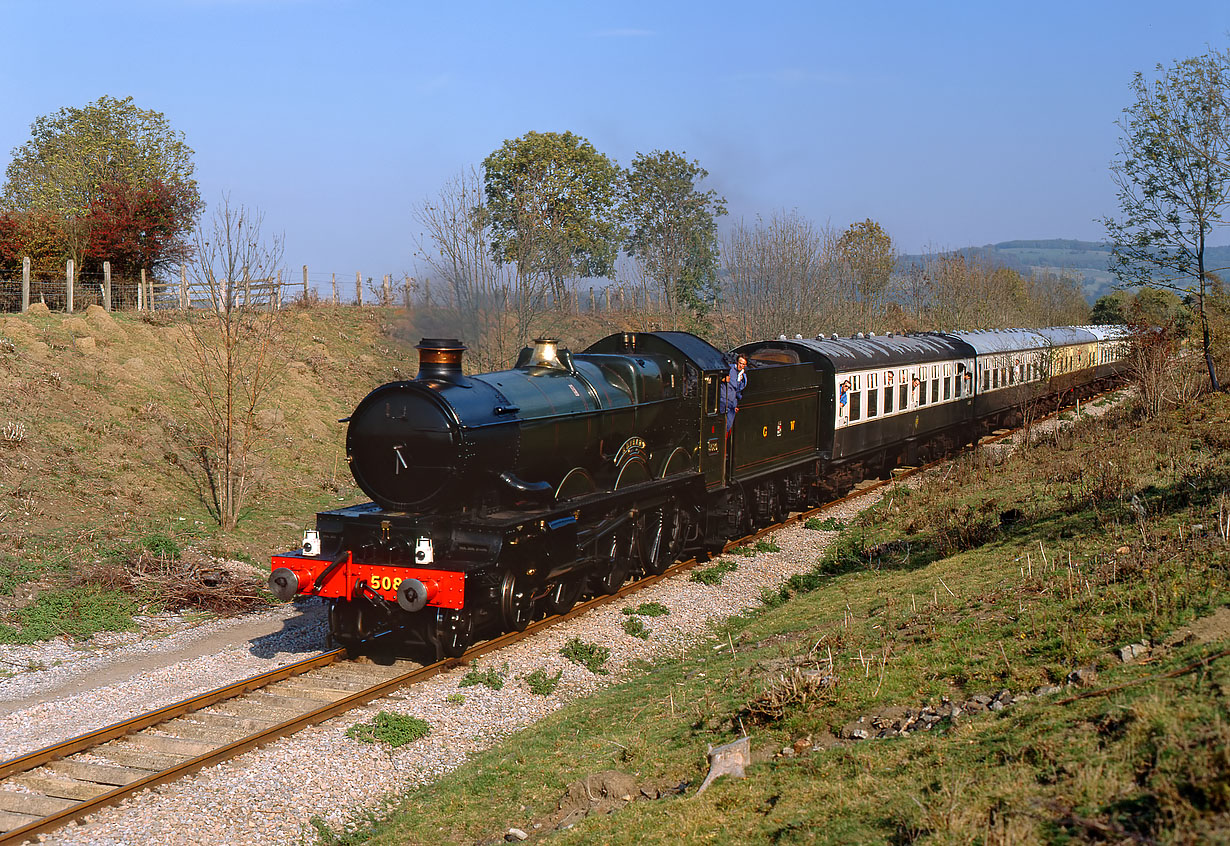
{"x":45,"y":789}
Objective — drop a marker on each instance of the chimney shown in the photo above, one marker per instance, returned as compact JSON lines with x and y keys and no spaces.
{"x":440,"y":359}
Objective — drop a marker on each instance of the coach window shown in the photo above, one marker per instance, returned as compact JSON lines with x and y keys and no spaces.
{"x":856,"y":404}
{"x":888,"y":400}
{"x":903,"y":396}
{"x":922,"y":391}
{"x":873,"y":400}
{"x":995,"y":378}
{"x":935,"y":390}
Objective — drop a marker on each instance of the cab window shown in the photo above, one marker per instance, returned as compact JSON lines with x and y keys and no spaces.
{"x":712,"y":390}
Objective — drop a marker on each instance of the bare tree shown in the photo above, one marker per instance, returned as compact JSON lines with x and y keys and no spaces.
{"x":231,"y":359}
{"x":1173,"y":175}
{"x":491,"y":304}
{"x":782,"y":277}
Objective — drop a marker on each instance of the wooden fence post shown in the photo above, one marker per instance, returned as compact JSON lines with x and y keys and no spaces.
{"x":276,"y":299}
{"x":358,"y":288}
{"x":388,"y":289}
{"x":305,"y":284}
{"x":68,"y":284}
{"x":149,"y":292}
{"x":25,"y":283}
{"x":183,"y":288}
{"x":107,"y":286}
{"x":335,"y":289}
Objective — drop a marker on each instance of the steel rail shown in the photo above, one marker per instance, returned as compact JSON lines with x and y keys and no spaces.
{"x":100,"y":736}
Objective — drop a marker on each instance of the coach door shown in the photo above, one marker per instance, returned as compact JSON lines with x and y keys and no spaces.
{"x":713,"y":434}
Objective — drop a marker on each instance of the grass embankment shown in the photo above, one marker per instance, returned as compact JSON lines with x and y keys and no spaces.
{"x":990,"y":577}
{"x":94,"y":497}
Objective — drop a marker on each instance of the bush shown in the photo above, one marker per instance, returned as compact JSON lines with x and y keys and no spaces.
{"x":636,"y":627}
{"x":162,"y":546}
{"x":490,"y":677}
{"x":713,"y":575}
{"x":588,"y":655}
{"x":542,"y":683}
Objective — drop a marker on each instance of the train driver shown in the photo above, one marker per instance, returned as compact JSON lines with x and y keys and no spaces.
{"x":733,"y":384}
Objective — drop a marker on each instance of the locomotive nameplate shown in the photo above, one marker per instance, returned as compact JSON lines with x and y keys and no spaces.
{"x":632,"y":446}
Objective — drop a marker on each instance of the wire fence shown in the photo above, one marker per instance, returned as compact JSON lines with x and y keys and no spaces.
{"x":68,"y":291}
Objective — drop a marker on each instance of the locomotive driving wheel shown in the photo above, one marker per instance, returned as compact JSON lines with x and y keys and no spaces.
{"x":564,"y":595}
{"x":455,"y":630}
{"x":613,"y":572}
{"x":516,"y":601}
{"x":661,"y":538}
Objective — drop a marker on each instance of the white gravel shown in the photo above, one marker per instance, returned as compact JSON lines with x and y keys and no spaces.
{"x":268,"y":796}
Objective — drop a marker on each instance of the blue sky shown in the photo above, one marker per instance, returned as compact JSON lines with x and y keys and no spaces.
{"x":949,"y":123}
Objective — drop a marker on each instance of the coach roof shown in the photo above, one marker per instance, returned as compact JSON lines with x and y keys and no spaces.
{"x":866,"y":353}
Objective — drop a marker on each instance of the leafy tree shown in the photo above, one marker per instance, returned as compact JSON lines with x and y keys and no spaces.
{"x":551,"y":206}
{"x":871,"y":256}
{"x":1173,"y":176}
{"x":79,"y":158}
{"x":672,"y":233}
{"x":1110,"y":309}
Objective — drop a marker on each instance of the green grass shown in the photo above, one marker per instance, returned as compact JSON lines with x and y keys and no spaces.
{"x":715,"y":573}
{"x":648,"y":609}
{"x":828,"y":524}
{"x":392,"y":729}
{"x":1059,"y":585}
{"x":77,"y":613}
{"x":591,"y":656}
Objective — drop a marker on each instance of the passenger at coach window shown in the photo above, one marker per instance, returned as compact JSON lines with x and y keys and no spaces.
{"x":843,"y":398}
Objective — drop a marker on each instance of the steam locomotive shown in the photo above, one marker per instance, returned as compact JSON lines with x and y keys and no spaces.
{"x":503,"y":497}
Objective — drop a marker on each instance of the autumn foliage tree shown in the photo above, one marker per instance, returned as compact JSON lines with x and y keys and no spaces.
{"x":105,"y":176}
{"x":136,"y":227}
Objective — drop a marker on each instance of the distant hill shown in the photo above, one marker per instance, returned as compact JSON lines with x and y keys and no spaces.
{"x":1089,"y":260}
